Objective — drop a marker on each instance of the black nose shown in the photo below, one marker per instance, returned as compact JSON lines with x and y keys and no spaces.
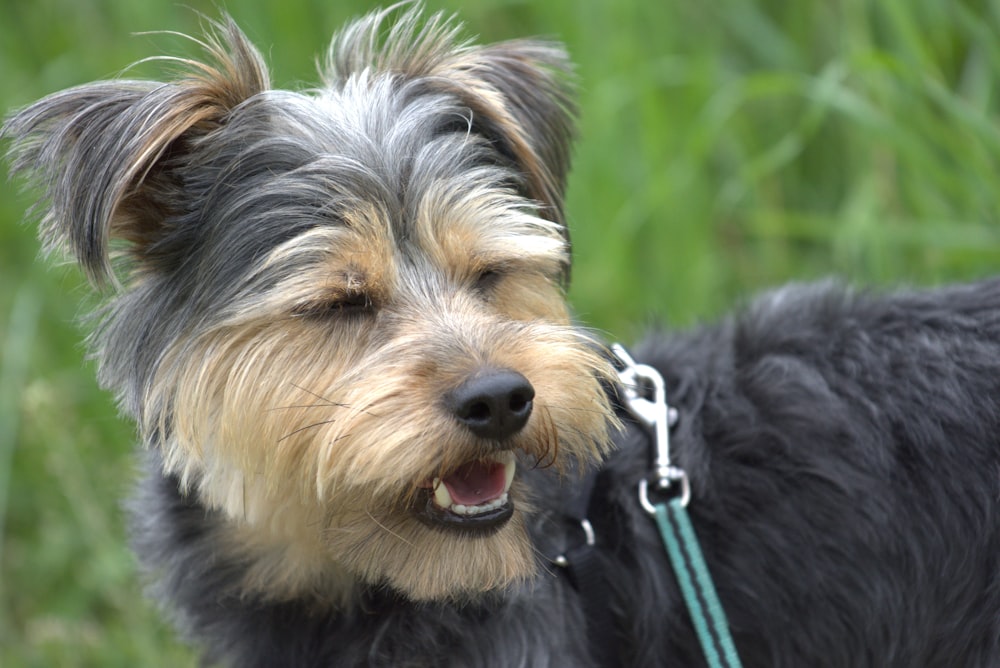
{"x":494,"y":404}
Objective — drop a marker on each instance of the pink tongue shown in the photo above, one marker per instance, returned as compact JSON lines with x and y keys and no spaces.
{"x":476,"y":483}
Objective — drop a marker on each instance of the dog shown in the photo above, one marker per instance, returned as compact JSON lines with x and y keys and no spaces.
{"x":369,"y":422}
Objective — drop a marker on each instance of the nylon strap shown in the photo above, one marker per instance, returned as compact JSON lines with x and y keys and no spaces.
{"x":696,"y":585}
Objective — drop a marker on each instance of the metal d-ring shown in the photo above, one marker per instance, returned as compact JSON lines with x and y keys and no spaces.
{"x":562,"y":561}
{"x":679,"y":475}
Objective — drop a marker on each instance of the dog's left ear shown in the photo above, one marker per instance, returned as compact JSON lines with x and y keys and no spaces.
{"x":522,"y":98}
{"x":100,"y":152}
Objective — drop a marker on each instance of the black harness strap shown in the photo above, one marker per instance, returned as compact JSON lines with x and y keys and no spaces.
{"x":582,"y":566}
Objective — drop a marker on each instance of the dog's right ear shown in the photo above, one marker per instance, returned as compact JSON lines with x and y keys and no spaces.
{"x":102,"y":153}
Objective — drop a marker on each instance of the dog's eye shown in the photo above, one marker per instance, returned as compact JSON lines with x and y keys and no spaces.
{"x":353,"y":302}
{"x":487,"y":279}
{"x":347,"y":304}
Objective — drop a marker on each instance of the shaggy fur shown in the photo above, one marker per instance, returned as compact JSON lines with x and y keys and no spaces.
{"x":844,"y":452}
{"x":308,"y":284}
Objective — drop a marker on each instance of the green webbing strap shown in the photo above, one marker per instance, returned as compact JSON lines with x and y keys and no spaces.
{"x":696,"y":585}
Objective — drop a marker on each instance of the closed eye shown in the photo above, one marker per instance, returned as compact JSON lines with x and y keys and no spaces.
{"x":349,"y":304}
{"x":487,"y":280}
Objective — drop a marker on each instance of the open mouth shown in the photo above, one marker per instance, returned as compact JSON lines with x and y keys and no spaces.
{"x":473,"y":497}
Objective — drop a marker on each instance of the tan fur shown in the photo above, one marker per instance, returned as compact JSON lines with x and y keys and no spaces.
{"x":314,"y":450}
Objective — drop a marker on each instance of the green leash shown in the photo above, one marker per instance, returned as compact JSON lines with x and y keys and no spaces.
{"x":679,"y":538}
{"x":696,"y":585}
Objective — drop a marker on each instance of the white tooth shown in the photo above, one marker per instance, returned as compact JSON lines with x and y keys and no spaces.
{"x":442,"y":497}
{"x":510,"y":465}
{"x":469,"y":511}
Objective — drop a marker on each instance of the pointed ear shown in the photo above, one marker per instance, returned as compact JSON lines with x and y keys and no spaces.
{"x":520,"y":92}
{"x":522,"y":98}
{"x":101,"y":152}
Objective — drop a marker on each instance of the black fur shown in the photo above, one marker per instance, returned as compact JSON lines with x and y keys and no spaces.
{"x":844,"y":453}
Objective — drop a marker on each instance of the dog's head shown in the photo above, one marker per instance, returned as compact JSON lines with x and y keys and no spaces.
{"x":338,"y":314}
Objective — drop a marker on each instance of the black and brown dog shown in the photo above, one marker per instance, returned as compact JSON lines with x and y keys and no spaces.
{"x":338,"y":319}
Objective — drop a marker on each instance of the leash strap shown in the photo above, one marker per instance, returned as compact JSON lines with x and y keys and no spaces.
{"x":696,"y":585}
{"x":645,"y":398}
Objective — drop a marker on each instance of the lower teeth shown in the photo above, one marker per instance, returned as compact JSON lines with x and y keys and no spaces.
{"x":459,"y":509}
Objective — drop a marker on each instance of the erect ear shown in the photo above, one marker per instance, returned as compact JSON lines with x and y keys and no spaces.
{"x":520,"y":92}
{"x":521,"y":96}
{"x":98,"y":150}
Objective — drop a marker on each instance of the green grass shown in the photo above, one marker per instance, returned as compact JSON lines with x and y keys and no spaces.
{"x":724,"y":147}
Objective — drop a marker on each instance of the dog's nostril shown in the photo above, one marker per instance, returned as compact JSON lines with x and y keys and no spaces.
{"x":519,"y":402}
{"x":495,"y":404}
{"x":478,"y":412}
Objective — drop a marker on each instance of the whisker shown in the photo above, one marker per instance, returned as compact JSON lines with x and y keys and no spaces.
{"x":386,"y":529}
{"x":327,"y":405}
{"x":545,"y":561}
{"x":318,"y":396}
{"x":550,"y":438}
{"x":308,"y":426}
{"x":326,"y":402}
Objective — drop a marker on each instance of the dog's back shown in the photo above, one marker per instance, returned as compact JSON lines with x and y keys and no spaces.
{"x":844,"y":454}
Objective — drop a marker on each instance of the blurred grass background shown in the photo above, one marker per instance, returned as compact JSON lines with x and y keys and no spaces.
{"x":725,"y":146}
